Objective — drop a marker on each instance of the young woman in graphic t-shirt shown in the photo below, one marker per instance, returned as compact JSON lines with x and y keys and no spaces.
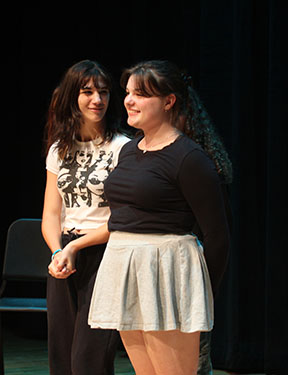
{"x":83,"y":144}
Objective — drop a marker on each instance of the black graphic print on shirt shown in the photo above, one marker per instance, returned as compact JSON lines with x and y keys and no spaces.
{"x":81,"y":178}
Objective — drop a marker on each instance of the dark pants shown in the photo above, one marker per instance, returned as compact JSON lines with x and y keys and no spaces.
{"x":73,"y":347}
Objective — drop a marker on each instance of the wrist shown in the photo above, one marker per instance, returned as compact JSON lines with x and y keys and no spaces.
{"x":55,"y":252}
{"x":77,"y":244}
{"x":72,"y":247}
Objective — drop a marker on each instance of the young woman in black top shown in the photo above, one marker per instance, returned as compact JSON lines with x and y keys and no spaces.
{"x":153,"y":284}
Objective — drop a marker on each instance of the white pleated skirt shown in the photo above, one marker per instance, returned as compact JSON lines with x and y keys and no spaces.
{"x":152,"y":282}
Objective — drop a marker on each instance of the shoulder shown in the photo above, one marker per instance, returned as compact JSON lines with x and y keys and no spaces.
{"x":187,"y":144}
{"x":130,"y":145}
{"x":184,"y":148}
{"x":115,"y":144}
{"x":53,"y":151}
{"x":119,"y":140}
{"x":52,"y":159}
{"x":194,"y":158}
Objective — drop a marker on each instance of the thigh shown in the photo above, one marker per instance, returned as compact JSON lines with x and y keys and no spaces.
{"x":173,"y":352}
{"x":134,"y":344}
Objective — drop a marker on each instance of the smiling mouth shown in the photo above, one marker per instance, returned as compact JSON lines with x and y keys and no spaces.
{"x":96,"y":109}
{"x":132,"y":112}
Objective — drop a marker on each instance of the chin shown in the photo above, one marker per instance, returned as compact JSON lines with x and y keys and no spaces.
{"x":134,"y":126}
{"x":132,"y":123}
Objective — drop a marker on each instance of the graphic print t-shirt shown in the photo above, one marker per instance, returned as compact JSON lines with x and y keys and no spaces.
{"x":80,"y":180}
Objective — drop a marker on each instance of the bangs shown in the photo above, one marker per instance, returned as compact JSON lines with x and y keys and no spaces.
{"x":99,"y":78}
{"x":147,"y":83}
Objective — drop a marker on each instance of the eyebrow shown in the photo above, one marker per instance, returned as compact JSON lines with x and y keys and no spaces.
{"x":135,"y":89}
{"x":86,"y":87}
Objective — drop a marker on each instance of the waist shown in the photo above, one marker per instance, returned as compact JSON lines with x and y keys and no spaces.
{"x":77,"y":231}
{"x":121,"y":238}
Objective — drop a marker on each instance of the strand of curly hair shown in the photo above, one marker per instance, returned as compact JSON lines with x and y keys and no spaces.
{"x":200,"y":128}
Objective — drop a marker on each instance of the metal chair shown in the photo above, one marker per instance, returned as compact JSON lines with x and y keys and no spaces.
{"x":26,"y":259}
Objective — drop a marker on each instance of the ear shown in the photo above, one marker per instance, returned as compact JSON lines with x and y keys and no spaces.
{"x":169,"y":102}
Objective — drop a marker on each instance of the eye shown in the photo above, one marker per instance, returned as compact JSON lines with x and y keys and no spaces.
{"x":139,"y":93}
{"x":86,"y":91}
{"x":135,"y":93}
{"x":104,"y":92}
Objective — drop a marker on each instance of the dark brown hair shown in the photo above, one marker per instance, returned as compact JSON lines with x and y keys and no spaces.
{"x":64,"y":116}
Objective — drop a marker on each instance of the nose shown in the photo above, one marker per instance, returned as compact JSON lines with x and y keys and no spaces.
{"x":96,"y":97}
{"x":128,"y":101}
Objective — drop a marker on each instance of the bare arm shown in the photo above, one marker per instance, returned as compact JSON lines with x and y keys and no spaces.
{"x":63,"y":264}
{"x":97,"y":236}
{"x":51,"y":222}
{"x":51,"y":216}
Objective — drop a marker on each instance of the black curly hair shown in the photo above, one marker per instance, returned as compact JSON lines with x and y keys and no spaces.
{"x":199,"y":126}
{"x":161,"y":78}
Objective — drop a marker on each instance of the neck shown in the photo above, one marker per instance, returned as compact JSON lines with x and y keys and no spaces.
{"x":158,"y":133}
{"x":90,"y":131}
{"x":158,"y":138}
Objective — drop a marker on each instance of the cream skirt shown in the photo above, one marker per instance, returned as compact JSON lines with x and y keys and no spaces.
{"x":152,"y":282}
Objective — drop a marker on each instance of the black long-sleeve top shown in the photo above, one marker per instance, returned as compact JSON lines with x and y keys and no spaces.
{"x":171,"y":191}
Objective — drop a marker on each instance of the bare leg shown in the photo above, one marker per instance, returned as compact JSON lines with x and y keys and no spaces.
{"x":162,"y":352}
{"x":136,"y":350}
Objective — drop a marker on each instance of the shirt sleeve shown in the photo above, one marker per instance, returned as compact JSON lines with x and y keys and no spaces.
{"x":119,"y":142}
{"x":201,"y":187}
{"x":52,"y":160}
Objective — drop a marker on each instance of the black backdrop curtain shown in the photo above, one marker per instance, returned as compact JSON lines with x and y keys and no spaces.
{"x":244,"y":64}
{"x":236,"y":52}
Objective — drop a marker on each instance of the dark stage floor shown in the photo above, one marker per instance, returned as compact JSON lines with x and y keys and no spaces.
{"x":26,"y":353}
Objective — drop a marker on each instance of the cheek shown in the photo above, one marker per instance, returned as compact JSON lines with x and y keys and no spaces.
{"x":106,"y":100}
{"x":125,"y":102}
{"x":152,"y":111}
{"x":80,"y":103}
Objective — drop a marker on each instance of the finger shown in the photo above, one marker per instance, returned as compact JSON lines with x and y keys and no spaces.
{"x":59,"y":275}
{"x":64,"y":275}
{"x":66,"y":271}
{"x":51,"y":270}
{"x":61,"y":266}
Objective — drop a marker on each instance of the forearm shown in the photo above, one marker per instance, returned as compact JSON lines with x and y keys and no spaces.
{"x":203,"y":192}
{"x":216,"y":250}
{"x":98,"y":236}
{"x":64,"y":263}
{"x":51,"y":217}
{"x":51,"y":231}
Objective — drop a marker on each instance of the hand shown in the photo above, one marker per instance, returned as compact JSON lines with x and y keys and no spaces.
{"x":63,"y":263}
